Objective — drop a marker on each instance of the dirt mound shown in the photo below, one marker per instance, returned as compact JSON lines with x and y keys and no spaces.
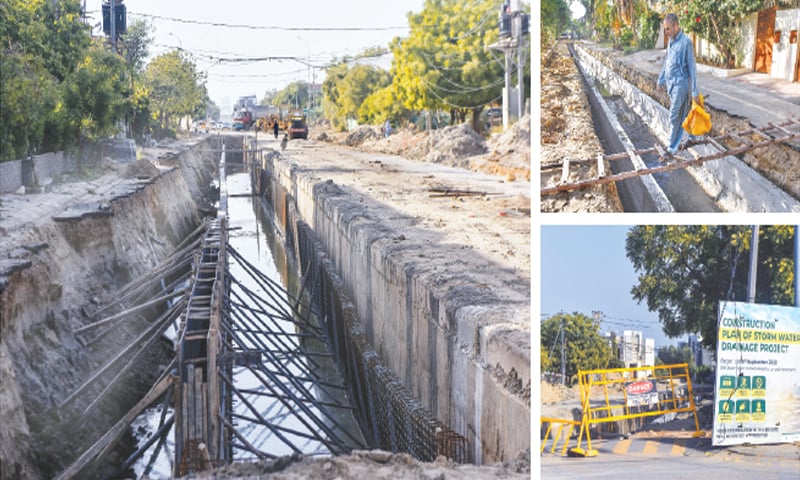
{"x":375,"y":464}
{"x":554,"y":393}
{"x":517,"y":139}
{"x":362,"y":134}
{"x":141,"y":169}
{"x":453,"y":145}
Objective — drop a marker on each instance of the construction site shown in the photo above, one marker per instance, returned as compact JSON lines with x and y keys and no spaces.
{"x":605,"y":124}
{"x":217,"y":303}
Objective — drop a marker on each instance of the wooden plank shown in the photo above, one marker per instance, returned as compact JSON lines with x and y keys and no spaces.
{"x":565,"y":171}
{"x":198,"y":403}
{"x":601,"y":166}
{"x":698,"y":160}
{"x":107,"y":441}
{"x":190,"y":374}
{"x":213,"y":390}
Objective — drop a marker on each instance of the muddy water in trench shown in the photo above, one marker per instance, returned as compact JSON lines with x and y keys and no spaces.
{"x":252,"y":234}
{"x":682,"y":190}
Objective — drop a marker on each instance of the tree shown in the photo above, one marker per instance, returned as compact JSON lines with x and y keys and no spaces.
{"x":686,"y":271}
{"x":673,"y":355}
{"x":444,"y":62}
{"x":43,"y":42}
{"x":95,"y":96}
{"x":586,"y":349}
{"x":718,"y":22}
{"x":293,"y":95}
{"x":175,"y":88}
{"x":345,"y":89}
{"x":555,"y":18}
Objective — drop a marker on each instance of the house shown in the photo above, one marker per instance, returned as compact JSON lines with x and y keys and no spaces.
{"x":768,"y":41}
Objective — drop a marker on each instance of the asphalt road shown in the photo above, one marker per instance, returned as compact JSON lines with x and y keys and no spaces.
{"x":706,"y":463}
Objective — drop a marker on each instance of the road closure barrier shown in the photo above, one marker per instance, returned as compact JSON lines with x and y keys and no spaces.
{"x":621,"y":396}
{"x":557,"y":432}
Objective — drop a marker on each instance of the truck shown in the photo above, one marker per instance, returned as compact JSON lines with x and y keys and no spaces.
{"x":245,"y":117}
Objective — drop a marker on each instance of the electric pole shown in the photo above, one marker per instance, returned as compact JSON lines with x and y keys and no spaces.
{"x":514,"y":27}
{"x":113,"y":28}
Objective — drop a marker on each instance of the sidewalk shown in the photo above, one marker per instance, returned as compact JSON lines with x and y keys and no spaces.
{"x":755,"y":96}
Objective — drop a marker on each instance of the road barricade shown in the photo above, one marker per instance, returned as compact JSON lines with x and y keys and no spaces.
{"x":625,"y":394}
{"x":562,"y":433}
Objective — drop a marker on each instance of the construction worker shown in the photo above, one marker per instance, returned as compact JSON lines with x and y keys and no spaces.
{"x":679,"y":74}
{"x":275,"y":128}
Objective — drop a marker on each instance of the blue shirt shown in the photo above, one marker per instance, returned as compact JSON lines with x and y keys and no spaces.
{"x":679,"y":65}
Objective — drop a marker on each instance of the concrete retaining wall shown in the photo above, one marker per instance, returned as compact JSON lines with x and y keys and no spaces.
{"x":735,"y":186}
{"x":460,"y":350}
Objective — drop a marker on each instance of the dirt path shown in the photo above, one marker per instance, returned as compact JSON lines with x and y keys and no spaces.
{"x":496,"y":224}
{"x":568,"y":132}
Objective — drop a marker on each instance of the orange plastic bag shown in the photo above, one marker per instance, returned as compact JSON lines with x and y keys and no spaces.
{"x":698,"y":122}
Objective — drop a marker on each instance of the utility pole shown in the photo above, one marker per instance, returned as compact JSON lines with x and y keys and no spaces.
{"x":513,"y":27}
{"x":563,"y":352}
{"x":113,"y":27}
{"x":751,"y":276}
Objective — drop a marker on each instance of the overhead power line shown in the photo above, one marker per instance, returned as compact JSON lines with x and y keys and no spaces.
{"x":266,"y":27}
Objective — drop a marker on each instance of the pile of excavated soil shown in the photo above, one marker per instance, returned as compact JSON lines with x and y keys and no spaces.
{"x":507,"y":155}
{"x":361,"y":134}
{"x":555,"y":393}
{"x":141,"y":169}
{"x":375,"y":464}
{"x":568,"y":132}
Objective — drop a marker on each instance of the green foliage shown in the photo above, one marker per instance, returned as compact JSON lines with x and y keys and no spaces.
{"x":293,"y":95}
{"x":94,"y":96}
{"x":717,"y":22}
{"x":175,"y":88}
{"x":28,"y":95}
{"x":685,"y":271}
{"x":444,"y":62}
{"x":649,"y":28}
{"x":135,"y":45}
{"x":555,"y":17}
{"x":345,"y":89}
{"x":586,"y":349}
{"x":673,"y":355}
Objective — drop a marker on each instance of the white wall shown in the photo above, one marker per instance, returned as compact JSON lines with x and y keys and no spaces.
{"x":784,"y":55}
{"x":747,"y":41}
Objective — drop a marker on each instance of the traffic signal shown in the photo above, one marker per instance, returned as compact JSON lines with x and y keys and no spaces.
{"x":505,"y":20}
{"x":121,"y":21}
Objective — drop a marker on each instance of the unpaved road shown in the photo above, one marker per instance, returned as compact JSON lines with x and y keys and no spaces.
{"x":495,"y":223}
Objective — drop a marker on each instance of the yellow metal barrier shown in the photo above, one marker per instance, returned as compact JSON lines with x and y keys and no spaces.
{"x":630,"y":393}
{"x":559,"y":434}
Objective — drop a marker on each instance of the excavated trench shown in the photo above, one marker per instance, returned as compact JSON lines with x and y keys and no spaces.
{"x":680,"y":188}
{"x":619,"y":128}
{"x":625,"y":116}
{"x":64,"y":385}
{"x":67,"y":362}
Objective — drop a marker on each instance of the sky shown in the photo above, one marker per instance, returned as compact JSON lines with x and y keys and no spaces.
{"x":584,"y":269}
{"x":298,"y":35}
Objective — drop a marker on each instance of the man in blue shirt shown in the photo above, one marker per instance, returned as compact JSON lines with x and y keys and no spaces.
{"x":679,"y":74}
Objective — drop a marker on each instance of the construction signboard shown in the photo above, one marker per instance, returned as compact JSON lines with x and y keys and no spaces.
{"x":757,"y":388}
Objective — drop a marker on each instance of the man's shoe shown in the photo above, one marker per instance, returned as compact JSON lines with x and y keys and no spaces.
{"x":664,"y":157}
